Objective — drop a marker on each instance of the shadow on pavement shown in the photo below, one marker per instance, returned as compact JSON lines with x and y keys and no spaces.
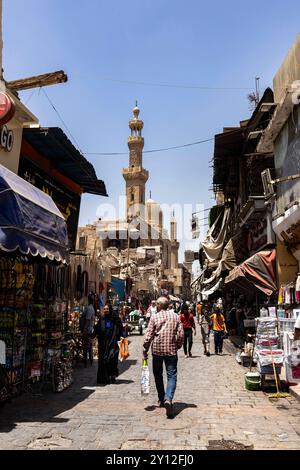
{"x":46,"y":406}
{"x":120,"y":381}
{"x":179,"y":407}
{"x":124,"y":366}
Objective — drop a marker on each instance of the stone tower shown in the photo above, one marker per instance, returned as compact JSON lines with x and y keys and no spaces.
{"x":135,"y":175}
{"x":174,"y":243}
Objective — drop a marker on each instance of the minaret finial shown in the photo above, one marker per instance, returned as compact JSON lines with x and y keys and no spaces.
{"x":136,"y":110}
{"x":150,"y":194}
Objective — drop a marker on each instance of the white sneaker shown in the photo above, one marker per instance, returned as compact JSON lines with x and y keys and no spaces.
{"x":186,"y":356}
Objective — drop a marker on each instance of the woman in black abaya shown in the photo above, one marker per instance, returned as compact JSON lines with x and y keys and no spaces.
{"x":108,"y":330}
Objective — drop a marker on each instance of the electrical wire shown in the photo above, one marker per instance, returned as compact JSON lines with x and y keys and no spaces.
{"x":88,"y":172}
{"x":60,"y":117}
{"x":29,"y":98}
{"x":238,"y":129}
{"x":165,"y":149}
{"x":153,"y":150}
{"x":167,"y":85}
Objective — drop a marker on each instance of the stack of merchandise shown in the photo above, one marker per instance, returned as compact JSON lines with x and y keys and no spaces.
{"x":63,"y":370}
{"x":267,"y":351}
{"x":292,"y":353}
{"x":59,"y":357}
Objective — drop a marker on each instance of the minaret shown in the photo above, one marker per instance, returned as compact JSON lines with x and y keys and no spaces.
{"x":135,"y":175}
{"x":173,"y":226}
{"x":174,"y":243}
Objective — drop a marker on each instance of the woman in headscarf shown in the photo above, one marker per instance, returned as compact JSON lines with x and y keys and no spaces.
{"x":108,"y":330}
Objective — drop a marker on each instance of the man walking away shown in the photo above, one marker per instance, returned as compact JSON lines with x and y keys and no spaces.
{"x":219,"y":328}
{"x":188,"y":323}
{"x":152,"y":309}
{"x":205,"y":330}
{"x":165,"y":333}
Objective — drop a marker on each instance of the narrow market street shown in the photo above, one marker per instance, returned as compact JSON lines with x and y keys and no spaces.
{"x":211,"y":404}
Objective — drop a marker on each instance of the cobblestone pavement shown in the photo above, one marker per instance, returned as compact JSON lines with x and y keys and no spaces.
{"x":211,"y":404}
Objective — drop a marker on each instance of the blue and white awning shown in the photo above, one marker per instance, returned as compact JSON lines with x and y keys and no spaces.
{"x":30,"y":222}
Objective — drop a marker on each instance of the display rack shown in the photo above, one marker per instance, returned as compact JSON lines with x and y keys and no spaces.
{"x":13,"y":326}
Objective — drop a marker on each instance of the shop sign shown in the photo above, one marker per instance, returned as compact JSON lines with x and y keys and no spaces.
{"x":6,"y":139}
{"x":67,"y":202}
{"x":7,"y":108}
{"x":257,"y":237}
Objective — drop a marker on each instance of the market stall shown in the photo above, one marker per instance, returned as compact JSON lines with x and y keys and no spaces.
{"x":33,"y":286}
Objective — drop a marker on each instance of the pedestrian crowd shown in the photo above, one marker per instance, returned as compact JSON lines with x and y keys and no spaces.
{"x":169,"y":326}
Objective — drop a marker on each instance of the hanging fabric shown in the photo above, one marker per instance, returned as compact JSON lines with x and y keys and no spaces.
{"x":85,"y":283}
{"x":287,"y":295}
{"x":79,"y":290}
{"x":298,"y":289}
{"x":280,"y":296}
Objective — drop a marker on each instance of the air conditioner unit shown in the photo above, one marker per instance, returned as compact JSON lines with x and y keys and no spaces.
{"x":267,"y":183}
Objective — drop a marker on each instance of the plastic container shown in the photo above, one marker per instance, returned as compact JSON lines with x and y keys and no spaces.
{"x":252,"y":381}
{"x":286,"y":324}
{"x":145,"y":378}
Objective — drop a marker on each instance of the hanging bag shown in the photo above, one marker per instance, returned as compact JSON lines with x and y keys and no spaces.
{"x":124,"y":350}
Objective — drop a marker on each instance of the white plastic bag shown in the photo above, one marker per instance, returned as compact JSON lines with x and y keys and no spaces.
{"x":145,"y":378}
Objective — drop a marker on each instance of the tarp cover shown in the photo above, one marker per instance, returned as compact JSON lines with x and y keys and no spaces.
{"x":207,"y":293}
{"x":30,"y":222}
{"x":233,"y":254}
{"x":214,"y":242}
{"x":258,"y":270}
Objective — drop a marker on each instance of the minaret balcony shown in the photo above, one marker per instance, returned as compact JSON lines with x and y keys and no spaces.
{"x":136,"y":139}
{"x":136,"y":172}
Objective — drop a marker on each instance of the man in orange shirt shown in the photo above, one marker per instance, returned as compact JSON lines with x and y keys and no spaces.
{"x":198,"y":311}
{"x":219,"y":328}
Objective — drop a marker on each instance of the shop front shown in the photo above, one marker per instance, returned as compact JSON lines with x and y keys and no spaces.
{"x":34,"y":275}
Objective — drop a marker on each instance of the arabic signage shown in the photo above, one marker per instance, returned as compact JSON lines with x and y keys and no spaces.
{"x":67,"y":201}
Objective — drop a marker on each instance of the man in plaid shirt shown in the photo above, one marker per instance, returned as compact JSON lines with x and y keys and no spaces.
{"x":166,"y":334}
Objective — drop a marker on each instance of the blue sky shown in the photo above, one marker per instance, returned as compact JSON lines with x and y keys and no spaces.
{"x":197,"y":43}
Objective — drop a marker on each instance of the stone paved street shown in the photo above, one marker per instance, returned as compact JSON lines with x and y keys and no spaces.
{"x":211,"y":404}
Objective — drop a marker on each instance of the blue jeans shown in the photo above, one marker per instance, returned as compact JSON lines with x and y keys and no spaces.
{"x":218,"y":337}
{"x":171,"y":366}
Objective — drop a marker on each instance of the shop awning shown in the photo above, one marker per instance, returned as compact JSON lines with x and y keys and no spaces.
{"x":233,"y":254}
{"x":259,"y":270}
{"x":53,"y":144}
{"x":30,"y":222}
